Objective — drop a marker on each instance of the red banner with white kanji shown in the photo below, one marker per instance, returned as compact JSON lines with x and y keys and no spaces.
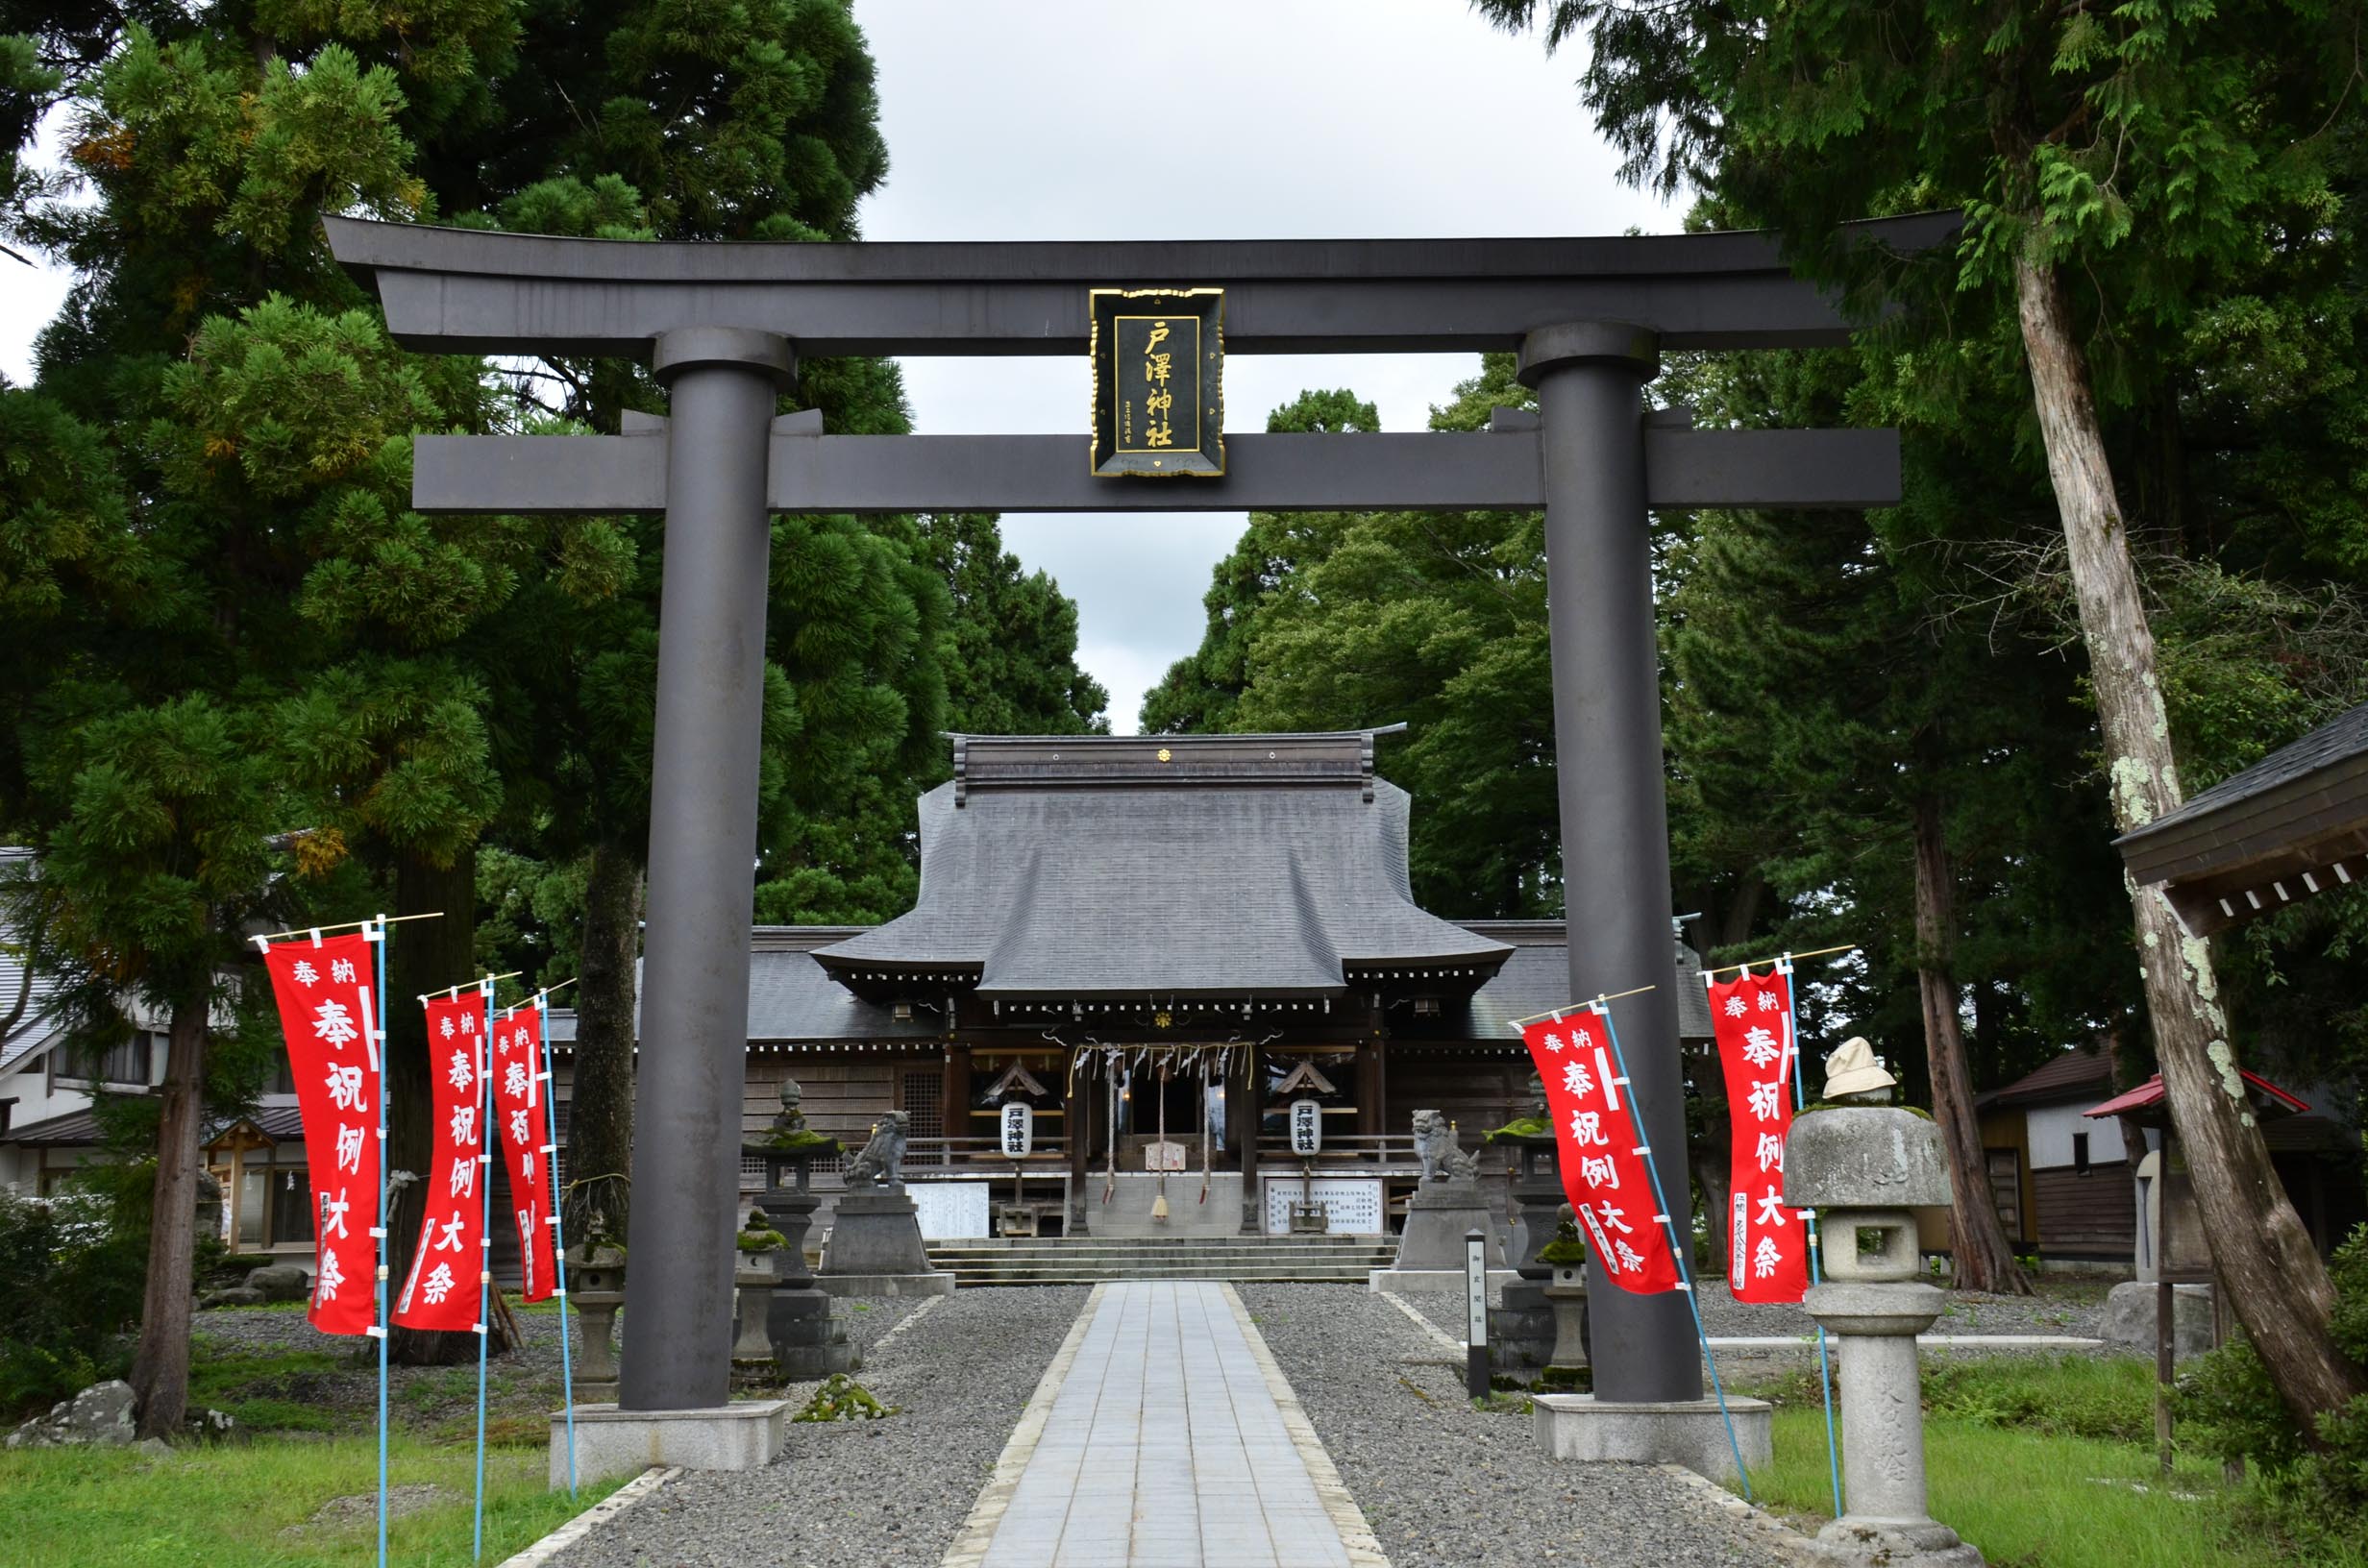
{"x":1600,"y":1154}
{"x":1767,"y":1244}
{"x":328,"y":1012}
{"x":441,"y":1289}
{"x":519,"y":1094}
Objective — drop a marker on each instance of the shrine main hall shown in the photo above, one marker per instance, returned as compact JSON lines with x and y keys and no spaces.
{"x":1158,"y":944}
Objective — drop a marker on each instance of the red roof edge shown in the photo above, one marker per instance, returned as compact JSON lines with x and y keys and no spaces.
{"x":2149,"y":1094}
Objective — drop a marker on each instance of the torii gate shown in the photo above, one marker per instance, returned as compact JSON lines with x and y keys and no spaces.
{"x":721,"y":326}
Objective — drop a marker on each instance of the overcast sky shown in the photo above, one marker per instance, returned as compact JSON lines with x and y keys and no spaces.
{"x":1314,"y":119}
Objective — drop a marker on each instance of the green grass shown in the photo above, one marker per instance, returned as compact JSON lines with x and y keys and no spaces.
{"x":74,"y":1508}
{"x":265,"y":1393}
{"x":2042,"y":1463}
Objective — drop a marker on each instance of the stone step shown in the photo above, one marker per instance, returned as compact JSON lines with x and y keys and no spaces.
{"x":1001,"y":1244}
{"x":999,"y":1282}
{"x":1100,"y":1247}
{"x":1055,"y":1270}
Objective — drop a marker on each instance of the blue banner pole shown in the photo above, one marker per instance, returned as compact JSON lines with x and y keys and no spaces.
{"x":376,"y":935}
{"x":484,"y":1243}
{"x":1678,"y":1246}
{"x":1825,"y":1358}
{"x":559,"y":1229}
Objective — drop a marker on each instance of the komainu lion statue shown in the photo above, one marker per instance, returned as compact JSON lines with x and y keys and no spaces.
{"x":882,"y":1161}
{"x":1442,"y":1160}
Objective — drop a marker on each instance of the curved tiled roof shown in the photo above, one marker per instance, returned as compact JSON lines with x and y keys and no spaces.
{"x":1229,"y":876}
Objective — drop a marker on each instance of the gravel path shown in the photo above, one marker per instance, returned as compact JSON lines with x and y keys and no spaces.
{"x":1448,"y":1486}
{"x":883,"y":1494}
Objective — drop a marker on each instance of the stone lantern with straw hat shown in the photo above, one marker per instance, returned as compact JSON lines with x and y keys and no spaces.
{"x":1865,"y":1165}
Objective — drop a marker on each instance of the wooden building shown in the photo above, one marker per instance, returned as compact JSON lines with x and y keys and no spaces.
{"x":1158,"y":944}
{"x":2064,"y":1185}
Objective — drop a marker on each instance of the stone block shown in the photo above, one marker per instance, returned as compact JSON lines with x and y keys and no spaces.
{"x":2130,"y":1319}
{"x":926,"y":1283}
{"x":746,"y":1435}
{"x":1436,"y":1217}
{"x":1866,"y":1156}
{"x":876,"y":1233}
{"x":1690,"y":1432}
{"x":280,"y":1282}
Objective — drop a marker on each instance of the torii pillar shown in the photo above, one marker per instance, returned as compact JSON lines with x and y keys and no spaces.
{"x":722,"y":382}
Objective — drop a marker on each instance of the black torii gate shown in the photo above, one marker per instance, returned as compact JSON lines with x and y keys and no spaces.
{"x":721,"y":325}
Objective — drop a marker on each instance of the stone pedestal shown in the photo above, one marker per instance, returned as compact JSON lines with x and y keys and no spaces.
{"x":1521,"y":1330}
{"x":808,"y":1339}
{"x":2130,"y":1316}
{"x":596,"y":1289}
{"x":1567,"y":1297}
{"x":595,"y":1355}
{"x":1537,"y":1200}
{"x":751,"y":1347}
{"x":876,"y":1248}
{"x":1689,"y":1433}
{"x":1883,"y":1427}
{"x":808,"y":1336}
{"x":1436,"y":1217}
{"x":746,"y":1435}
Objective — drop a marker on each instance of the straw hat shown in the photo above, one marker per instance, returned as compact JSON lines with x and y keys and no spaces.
{"x":1854,"y":1069}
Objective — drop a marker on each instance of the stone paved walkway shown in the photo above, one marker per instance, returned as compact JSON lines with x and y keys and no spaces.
{"x":1163,"y":1436}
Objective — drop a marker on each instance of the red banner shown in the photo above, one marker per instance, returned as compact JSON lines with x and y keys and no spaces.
{"x":328,"y":1011}
{"x":520,"y":1112}
{"x":1600,"y":1155}
{"x":439,"y":1291}
{"x":1768,"y":1246}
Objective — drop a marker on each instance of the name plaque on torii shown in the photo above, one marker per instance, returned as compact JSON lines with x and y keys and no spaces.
{"x":721,"y":325}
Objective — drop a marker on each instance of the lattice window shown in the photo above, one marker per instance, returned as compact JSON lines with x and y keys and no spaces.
{"x":752,"y":1173}
{"x":920,"y":1099}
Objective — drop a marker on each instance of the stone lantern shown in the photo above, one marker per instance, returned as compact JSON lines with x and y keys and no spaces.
{"x":1865,"y":1168}
{"x":596,"y":1289}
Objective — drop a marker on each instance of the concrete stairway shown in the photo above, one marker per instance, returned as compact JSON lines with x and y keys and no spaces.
{"x":1092,"y":1260}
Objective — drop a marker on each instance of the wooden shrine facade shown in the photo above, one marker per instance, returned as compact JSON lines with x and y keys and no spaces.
{"x":1159,"y":943}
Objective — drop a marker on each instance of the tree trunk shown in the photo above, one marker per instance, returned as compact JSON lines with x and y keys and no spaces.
{"x":422,"y":956}
{"x":1978,"y":1241}
{"x":2272,"y":1274}
{"x":1712,"y":1172}
{"x":599,"y":1127}
{"x":161,"y":1365}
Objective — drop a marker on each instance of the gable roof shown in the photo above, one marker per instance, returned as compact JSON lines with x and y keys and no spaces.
{"x":2081,"y":1073}
{"x":1177,"y":866}
{"x":2293,"y":824}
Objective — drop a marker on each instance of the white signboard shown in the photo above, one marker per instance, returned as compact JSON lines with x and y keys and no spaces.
{"x":1352,"y":1203}
{"x":949,"y":1211}
{"x":1169,"y":1155}
{"x":1306,"y":1127}
{"x":1476,"y":1292}
{"x":1019,"y":1126}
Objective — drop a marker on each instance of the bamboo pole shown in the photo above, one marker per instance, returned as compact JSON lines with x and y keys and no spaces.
{"x":344,"y":925}
{"x":1813,"y":952}
{"x":1573,"y":1007}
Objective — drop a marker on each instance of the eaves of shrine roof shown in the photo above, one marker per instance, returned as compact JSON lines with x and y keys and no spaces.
{"x":1074,"y":867}
{"x":2291,"y":825}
